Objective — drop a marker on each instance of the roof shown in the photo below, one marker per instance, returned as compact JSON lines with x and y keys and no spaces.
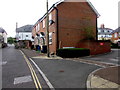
{"x":2,"y":30}
{"x":102,"y":31}
{"x":116,"y":30}
{"x":61,"y":1}
{"x":105,"y":29}
{"x":26,"y":28}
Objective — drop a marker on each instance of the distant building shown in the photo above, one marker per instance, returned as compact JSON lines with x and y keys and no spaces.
{"x":3,"y":37}
{"x":116,"y":35}
{"x":24,"y":33}
{"x":104,"y":33}
{"x":24,"y":36}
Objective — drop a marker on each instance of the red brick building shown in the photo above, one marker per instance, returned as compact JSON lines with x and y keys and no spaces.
{"x":69,"y":24}
{"x":116,"y":36}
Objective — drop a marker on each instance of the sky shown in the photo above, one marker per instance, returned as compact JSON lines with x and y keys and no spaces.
{"x":29,"y":11}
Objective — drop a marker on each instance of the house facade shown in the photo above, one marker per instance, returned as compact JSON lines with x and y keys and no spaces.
{"x":24,"y":35}
{"x":104,"y":33}
{"x":69,"y":24}
{"x":3,"y":37}
{"x":116,"y":35}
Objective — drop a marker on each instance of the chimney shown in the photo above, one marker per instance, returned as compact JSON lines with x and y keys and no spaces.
{"x":102,"y":26}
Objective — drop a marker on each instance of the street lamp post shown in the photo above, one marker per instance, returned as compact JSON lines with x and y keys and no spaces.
{"x":47,"y":29}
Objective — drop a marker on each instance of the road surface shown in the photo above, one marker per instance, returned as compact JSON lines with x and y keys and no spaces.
{"x":61,"y":73}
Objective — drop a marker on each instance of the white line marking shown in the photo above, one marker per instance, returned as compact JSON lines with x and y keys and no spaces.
{"x":94,"y":62}
{"x":88,"y":63}
{"x":43,"y":75}
{"x":114,"y":60}
{"x":3,"y":63}
{"x":23,"y":79}
{"x":115,"y":49}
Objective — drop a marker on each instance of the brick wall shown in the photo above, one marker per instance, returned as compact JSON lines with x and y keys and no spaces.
{"x":52,"y":28}
{"x":73,"y":18}
{"x":96,"y":47}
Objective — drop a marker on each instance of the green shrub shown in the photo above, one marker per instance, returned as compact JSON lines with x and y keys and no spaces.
{"x":113,"y":45}
{"x":73,"y":52}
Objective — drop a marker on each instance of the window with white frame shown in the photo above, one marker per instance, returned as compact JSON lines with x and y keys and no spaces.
{"x":50,"y":16}
{"x":44,"y":23}
{"x":50,"y":19}
{"x":50,"y":38}
{"x":115,"y":35}
{"x":38,"y":27}
{"x":26,"y":35}
{"x":99,"y":30}
{"x":110,"y":36}
{"x":105,"y":31}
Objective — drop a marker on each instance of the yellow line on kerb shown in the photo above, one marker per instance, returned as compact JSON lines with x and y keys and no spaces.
{"x":34,"y":76}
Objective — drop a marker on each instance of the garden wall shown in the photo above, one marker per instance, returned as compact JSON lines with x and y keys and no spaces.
{"x":96,"y":47}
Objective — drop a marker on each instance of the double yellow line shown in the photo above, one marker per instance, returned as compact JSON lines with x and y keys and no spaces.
{"x":34,"y":76}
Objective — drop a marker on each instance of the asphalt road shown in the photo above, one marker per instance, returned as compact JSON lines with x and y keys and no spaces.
{"x":13,"y":67}
{"x":61,"y":73}
{"x":64,"y":73}
{"x":112,"y":57}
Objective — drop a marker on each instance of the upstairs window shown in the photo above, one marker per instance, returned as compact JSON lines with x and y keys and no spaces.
{"x":99,"y":31}
{"x":115,"y":35}
{"x":50,"y":16}
{"x":50,"y":19}
{"x":38,"y":27}
{"x":119,"y":34}
{"x":44,"y":23}
{"x":26,"y":35}
{"x":105,"y":31}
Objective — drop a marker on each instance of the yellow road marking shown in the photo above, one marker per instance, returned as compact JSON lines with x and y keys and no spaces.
{"x":34,"y":76}
{"x":32,"y":73}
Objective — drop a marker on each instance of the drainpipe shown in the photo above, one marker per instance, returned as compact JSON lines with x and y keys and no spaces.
{"x":96,"y":30}
{"x":57,"y":38}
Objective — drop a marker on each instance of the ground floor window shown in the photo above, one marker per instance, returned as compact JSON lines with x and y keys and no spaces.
{"x":50,"y":38}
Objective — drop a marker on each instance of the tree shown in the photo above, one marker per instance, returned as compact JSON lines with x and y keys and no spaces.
{"x":89,"y":33}
{"x":11,"y":40}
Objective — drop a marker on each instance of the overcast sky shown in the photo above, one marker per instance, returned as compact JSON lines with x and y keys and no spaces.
{"x":29,"y":11}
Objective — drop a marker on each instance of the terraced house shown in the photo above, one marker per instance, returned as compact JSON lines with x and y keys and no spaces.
{"x":24,"y":36}
{"x":3,"y":38}
{"x":69,"y":24}
{"x":104,"y":33}
{"x":116,"y":35}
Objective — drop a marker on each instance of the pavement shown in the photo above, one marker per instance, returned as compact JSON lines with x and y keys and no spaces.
{"x":106,"y":77}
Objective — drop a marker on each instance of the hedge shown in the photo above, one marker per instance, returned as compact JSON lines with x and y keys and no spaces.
{"x":115,"y":45}
{"x":73,"y":52}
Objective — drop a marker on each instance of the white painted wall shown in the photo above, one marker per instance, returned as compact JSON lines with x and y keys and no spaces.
{"x":4,"y":36}
{"x":24,"y":36}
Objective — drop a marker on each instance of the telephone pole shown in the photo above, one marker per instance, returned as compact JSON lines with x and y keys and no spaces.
{"x":17,"y":38}
{"x":16,"y":26}
{"x":47,"y":29}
